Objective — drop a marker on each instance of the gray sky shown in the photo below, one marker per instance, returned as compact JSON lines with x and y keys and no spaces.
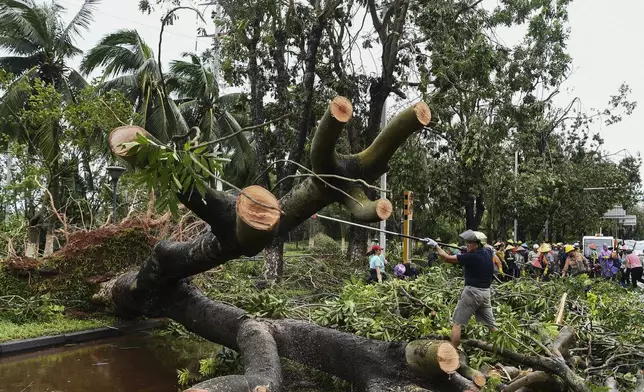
{"x":605,"y":44}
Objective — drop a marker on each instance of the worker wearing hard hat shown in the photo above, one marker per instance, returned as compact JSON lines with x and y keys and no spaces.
{"x":478,"y":266}
{"x":575,"y":263}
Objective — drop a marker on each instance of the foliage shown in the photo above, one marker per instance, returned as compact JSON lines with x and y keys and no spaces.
{"x":171,"y":171}
{"x":524,"y":310}
{"x":325,"y":246}
{"x":16,"y":309}
{"x":91,"y":255}
{"x":264,"y":304}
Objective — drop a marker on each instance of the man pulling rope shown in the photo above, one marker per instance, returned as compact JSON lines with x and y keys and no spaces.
{"x":479,"y":271}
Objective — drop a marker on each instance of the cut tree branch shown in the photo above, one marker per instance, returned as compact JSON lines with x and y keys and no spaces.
{"x":553,"y":365}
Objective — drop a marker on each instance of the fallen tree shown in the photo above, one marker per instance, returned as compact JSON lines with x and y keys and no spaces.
{"x":245,"y":222}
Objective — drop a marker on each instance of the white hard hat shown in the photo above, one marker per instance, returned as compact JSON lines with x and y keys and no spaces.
{"x":535,"y":246}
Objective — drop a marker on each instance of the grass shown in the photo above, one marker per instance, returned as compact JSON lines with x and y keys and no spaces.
{"x":13,"y":331}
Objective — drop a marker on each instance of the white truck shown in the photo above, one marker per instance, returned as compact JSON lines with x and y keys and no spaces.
{"x":599,"y":241}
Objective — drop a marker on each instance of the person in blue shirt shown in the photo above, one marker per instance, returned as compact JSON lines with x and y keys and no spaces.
{"x":376,"y":264}
{"x":478,"y":267}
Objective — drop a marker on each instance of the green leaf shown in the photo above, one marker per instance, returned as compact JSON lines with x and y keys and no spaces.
{"x":172,"y":204}
{"x":200,"y":188}
{"x":177,"y":182}
{"x":200,"y":150}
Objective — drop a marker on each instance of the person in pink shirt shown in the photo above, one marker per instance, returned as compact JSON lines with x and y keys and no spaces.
{"x":633,"y":266}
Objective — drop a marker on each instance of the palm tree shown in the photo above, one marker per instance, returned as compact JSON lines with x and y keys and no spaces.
{"x":39,"y":45}
{"x":197,"y":91}
{"x":127,"y":59}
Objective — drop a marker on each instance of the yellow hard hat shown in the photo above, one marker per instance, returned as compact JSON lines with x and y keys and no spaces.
{"x":569,"y":248}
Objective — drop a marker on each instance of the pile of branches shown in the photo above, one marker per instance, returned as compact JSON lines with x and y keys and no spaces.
{"x":598,"y":339}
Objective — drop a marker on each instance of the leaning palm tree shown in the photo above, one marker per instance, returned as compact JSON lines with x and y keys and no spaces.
{"x":38,"y":45}
{"x":195,"y":86}
{"x":129,"y":66}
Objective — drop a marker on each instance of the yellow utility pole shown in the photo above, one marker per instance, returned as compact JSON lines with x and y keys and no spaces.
{"x":407,"y":218}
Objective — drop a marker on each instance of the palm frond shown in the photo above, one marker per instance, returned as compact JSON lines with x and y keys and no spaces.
{"x":76,"y":80}
{"x":17,"y":45}
{"x":81,"y":20}
{"x":45,"y":140}
{"x":127,"y":84}
{"x":17,"y":65}
{"x":156,"y":122}
{"x":178,"y":125}
{"x":24,"y":19}
{"x":120,"y":52}
{"x":13,"y":101}
{"x":72,"y":84}
{"x":242,"y":165}
{"x":194,"y":78}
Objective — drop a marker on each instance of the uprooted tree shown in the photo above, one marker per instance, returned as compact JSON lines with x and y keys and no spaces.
{"x":245,"y":223}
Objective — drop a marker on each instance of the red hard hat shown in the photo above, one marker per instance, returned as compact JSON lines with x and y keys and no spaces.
{"x":375,"y":248}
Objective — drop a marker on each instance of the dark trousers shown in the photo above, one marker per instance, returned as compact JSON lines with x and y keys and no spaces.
{"x":373,"y":275}
{"x":636,"y":276}
{"x":624,"y":276}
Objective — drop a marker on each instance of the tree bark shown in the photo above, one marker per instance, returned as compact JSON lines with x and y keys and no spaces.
{"x":274,"y":260}
{"x":358,"y":244}
{"x":246,"y":224}
{"x":466,"y":371}
{"x":474,"y":209}
{"x":89,"y":176}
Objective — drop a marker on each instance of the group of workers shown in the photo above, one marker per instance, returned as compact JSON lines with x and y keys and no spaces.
{"x":544,"y":261}
{"x":482,"y":262}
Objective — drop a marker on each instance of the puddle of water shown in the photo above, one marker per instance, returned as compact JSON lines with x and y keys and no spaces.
{"x":135,"y":363}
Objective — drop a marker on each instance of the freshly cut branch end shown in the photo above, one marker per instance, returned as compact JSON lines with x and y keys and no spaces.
{"x":423,"y":113}
{"x":430,"y":357}
{"x":258,"y":215}
{"x":341,"y":109}
{"x":262,"y":216}
{"x":124,"y":134}
{"x":384,"y":209}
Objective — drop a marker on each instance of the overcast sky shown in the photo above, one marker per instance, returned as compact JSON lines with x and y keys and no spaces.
{"x":605,"y":44}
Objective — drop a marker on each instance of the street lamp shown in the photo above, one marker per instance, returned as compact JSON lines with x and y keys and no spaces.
{"x":115,"y":172}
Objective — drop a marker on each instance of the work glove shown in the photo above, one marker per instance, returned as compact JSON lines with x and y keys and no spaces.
{"x":430,"y":242}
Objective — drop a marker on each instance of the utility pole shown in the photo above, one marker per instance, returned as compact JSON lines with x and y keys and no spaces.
{"x":383,"y":179}
{"x":383,"y":183}
{"x":516,"y":176}
{"x":407,"y":218}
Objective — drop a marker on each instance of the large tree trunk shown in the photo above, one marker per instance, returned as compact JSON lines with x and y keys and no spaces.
{"x":358,"y":243}
{"x":246,"y":224}
{"x":474,"y":209}
{"x":33,"y":240}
